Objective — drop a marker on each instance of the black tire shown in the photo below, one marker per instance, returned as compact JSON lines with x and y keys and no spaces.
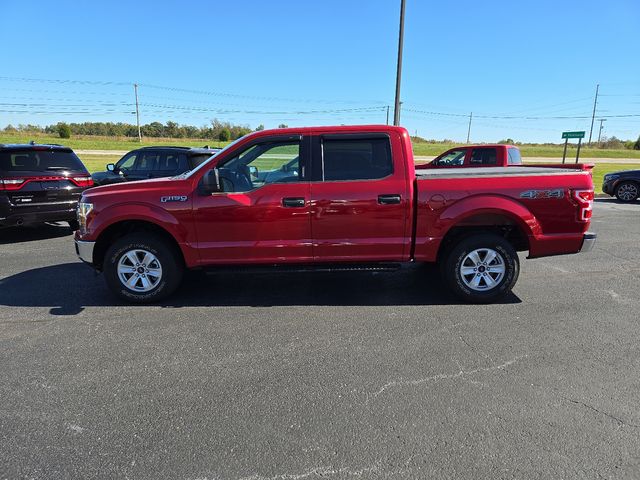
{"x":170,"y":264}
{"x":484,"y":292}
{"x":73,"y":225}
{"x":627,"y":192}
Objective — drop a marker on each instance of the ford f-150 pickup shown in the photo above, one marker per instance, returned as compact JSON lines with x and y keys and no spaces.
{"x":333,"y":197}
{"x":476,"y":156}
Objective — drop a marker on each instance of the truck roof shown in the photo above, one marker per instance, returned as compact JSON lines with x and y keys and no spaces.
{"x":331,"y":129}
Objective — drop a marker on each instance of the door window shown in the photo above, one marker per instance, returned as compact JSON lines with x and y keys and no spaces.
{"x":262,"y":164}
{"x":514,"y":157}
{"x":455,"y":158}
{"x":356,"y":159}
{"x":127,"y":163}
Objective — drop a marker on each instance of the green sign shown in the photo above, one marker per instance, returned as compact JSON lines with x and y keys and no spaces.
{"x":572,"y":134}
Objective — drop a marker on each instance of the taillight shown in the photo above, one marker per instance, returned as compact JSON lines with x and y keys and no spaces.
{"x":12,"y":183}
{"x":585,"y":201}
{"x":82,"y":181}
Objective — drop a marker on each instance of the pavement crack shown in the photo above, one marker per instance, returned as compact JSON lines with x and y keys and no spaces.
{"x":618,"y":420}
{"x":446,"y":376}
{"x":316,"y":472}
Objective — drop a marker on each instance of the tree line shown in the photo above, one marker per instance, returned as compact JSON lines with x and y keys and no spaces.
{"x":215,"y":130}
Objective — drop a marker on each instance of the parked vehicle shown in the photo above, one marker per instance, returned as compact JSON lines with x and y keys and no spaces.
{"x":476,"y":156}
{"x":624,"y":185}
{"x":40,"y":183}
{"x":354,"y":201}
{"x":153,"y":162}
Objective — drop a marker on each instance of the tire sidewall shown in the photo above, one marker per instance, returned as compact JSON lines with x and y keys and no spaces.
{"x":170,"y":271}
{"x":459,"y":253}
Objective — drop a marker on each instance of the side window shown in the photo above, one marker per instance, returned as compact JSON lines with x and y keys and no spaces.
{"x":170,"y":162}
{"x":261,"y":164}
{"x":514,"y":157}
{"x":356,"y":159}
{"x":127,"y":163}
{"x":454,"y":158}
{"x":483,"y":156}
{"x":148,"y":162}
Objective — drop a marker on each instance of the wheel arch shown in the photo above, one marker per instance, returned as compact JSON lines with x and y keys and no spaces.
{"x":124,"y":227}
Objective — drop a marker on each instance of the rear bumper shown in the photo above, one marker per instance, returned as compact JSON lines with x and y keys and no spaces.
{"x":588,"y":242}
{"x":564,"y":244}
{"x":84,"y":250}
{"x":35,"y":213}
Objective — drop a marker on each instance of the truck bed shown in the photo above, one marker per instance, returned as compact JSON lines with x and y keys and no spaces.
{"x":498,"y":171}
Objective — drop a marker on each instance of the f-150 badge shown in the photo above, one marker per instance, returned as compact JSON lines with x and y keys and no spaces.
{"x":538,"y":194}
{"x":174,"y":198}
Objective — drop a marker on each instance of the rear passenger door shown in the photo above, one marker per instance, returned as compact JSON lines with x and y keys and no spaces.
{"x":359,"y":198}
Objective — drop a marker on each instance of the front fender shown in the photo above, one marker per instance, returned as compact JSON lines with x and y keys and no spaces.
{"x":132,"y":211}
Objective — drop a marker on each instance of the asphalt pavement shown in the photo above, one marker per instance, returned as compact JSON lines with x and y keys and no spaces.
{"x":322,"y":375}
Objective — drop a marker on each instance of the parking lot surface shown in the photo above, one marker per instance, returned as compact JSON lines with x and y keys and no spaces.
{"x":322,"y":375}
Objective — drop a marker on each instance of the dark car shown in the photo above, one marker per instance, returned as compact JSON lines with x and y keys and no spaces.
{"x":40,"y":183}
{"x":624,"y":185}
{"x":153,"y":162}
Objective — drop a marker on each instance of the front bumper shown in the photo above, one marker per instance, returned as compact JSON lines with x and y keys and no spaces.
{"x":84,"y":250}
{"x":588,"y":241}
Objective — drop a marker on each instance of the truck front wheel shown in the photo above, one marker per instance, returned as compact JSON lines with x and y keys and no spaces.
{"x":482,"y":268}
{"x":142,"y":268}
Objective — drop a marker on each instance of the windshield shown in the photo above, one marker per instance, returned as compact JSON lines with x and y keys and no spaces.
{"x":29,"y":160}
{"x":204,"y":164}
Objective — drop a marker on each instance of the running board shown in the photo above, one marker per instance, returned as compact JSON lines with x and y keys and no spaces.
{"x":280,"y":268}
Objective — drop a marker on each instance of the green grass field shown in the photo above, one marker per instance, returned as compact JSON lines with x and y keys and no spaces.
{"x":420,"y":149}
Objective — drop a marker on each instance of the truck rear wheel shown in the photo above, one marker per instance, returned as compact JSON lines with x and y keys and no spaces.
{"x":142,"y":268}
{"x":482,"y":268}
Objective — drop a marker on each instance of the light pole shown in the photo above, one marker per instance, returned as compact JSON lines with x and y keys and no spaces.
{"x":396,"y":111}
{"x":601,"y":120}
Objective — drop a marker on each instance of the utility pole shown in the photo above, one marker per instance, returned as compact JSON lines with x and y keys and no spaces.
{"x":387,"y":114}
{"x":135,"y":88}
{"x":396,"y":111}
{"x":600,"y":131}
{"x":469,"y":129}
{"x":593,"y":117}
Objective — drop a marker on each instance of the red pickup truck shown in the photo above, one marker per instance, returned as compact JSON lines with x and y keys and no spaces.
{"x":497,"y":155}
{"x":333,"y":197}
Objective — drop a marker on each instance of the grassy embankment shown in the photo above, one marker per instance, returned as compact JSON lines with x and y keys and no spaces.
{"x":98,"y":162}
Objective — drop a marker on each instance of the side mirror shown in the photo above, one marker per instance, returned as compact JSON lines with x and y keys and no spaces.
{"x":210,"y":183}
{"x":111,"y":167}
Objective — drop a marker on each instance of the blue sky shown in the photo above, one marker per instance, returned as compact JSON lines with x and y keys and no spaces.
{"x":329,"y":62}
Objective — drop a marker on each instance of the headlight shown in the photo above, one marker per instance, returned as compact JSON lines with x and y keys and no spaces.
{"x":608,"y":178}
{"x":83,"y":212}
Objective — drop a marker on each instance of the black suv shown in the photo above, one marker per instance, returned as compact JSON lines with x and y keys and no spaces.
{"x":154,"y":162}
{"x":40,"y":183}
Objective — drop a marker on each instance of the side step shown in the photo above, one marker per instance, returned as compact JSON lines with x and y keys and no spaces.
{"x":323,"y":267}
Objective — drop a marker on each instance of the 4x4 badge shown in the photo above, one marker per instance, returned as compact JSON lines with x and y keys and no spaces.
{"x":174,"y":198}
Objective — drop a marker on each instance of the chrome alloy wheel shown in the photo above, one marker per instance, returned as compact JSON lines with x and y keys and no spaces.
{"x":482,"y":269}
{"x":139,"y":270}
{"x":627,"y":192}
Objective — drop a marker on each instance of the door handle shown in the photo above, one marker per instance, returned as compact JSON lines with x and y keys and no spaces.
{"x":293,"y":202}
{"x":389,"y":199}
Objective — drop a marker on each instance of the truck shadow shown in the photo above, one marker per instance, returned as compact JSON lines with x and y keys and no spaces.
{"x":68,"y":288}
{"x":33,"y":233}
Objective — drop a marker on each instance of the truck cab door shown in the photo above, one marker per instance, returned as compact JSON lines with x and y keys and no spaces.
{"x":263,"y":213}
{"x":360,"y":198}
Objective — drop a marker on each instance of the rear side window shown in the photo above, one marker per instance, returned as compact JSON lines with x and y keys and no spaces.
{"x":38,"y":160}
{"x":483,"y":156}
{"x":199,"y":159}
{"x":514,"y":157}
{"x":356,"y":159}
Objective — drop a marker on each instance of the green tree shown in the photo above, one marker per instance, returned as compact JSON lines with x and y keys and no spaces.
{"x":64,"y":130}
{"x":259,"y":128}
{"x":224,"y":135}
{"x":283,"y":125}
{"x":637,"y":144}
